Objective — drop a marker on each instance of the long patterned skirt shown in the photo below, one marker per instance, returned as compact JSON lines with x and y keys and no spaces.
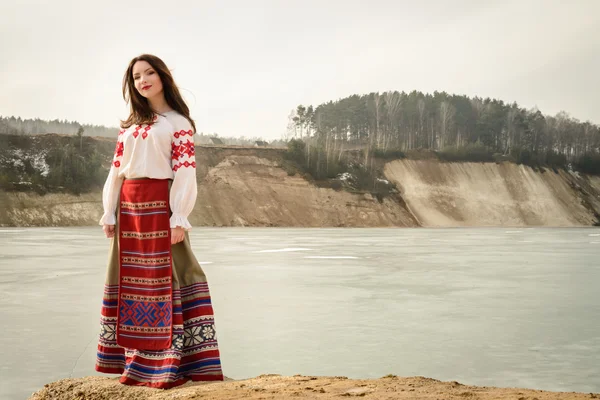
{"x":157,"y":322}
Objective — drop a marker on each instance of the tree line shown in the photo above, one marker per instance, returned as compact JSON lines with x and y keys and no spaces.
{"x":454,"y":126}
{"x":18,"y":126}
{"x":52,"y":163}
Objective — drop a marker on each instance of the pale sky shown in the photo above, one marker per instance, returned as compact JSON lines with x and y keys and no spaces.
{"x":243,"y":65}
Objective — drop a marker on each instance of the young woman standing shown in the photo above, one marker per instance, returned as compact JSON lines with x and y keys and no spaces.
{"x":157,"y":323}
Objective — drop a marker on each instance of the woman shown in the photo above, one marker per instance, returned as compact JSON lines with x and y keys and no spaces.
{"x":157,"y":324}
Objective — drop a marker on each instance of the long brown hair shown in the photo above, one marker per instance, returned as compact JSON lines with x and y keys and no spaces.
{"x":140,"y":111}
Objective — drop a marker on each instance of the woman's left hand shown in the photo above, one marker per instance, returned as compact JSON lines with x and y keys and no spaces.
{"x":177,"y":234}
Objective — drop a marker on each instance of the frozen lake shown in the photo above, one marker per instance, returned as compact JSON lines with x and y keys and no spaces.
{"x":494,"y":307}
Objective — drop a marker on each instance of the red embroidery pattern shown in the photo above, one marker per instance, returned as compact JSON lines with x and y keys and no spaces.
{"x":183,"y":133}
{"x":175,"y":154}
{"x":122,"y":131}
{"x":184,"y":164}
{"x":182,"y":149}
{"x":136,"y":133}
{"x":119,"y":150}
{"x":118,"y":153}
{"x":145,"y":134}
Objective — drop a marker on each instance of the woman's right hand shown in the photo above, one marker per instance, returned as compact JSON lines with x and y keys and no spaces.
{"x":109,"y":230}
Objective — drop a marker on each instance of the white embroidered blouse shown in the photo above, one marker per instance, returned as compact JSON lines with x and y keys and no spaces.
{"x":161,"y":150}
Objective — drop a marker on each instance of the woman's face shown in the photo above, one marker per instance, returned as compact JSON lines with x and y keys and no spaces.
{"x":146,"y":79}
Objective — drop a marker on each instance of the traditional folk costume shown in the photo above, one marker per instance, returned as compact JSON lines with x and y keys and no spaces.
{"x":157,"y":323}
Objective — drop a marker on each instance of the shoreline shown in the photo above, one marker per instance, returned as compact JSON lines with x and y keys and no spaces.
{"x":273,"y":386}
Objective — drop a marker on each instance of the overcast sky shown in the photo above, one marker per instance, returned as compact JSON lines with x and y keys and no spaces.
{"x":243,"y":65}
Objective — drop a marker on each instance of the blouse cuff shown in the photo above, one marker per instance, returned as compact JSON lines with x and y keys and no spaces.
{"x":108,"y":219}
{"x":180,"y":220}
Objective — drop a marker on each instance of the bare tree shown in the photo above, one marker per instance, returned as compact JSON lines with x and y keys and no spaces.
{"x":79,"y":134}
{"x":393,"y":103}
{"x":377,"y":105}
{"x":421,"y":110}
{"x":478,"y":106}
{"x":300,"y":118}
{"x":374,"y":108}
{"x":447,"y":112}
{"x":291,"y":129}
{"x":511,"y":118}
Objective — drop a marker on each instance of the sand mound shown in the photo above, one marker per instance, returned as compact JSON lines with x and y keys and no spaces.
{"x":282,"y":387}
{"x":490,"y":194}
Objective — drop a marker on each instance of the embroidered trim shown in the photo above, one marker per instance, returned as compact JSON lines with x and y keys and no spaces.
{"x":145,"y":329}
{"x":137,"y":297}
{"x":145,"y":281}
{"x":146,"y":261}
{"x":143,"y":206}
{"x":144,"y":134}
{"x":183,"y":133}
{"x":182,"y":149}
{"x":184,"y":164}
{"x":145,"y":235}
{"x":118,"y":153}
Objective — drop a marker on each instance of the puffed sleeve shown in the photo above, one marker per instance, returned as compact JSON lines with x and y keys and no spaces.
{"x":112,"y":186}
{"x":183,"y":161}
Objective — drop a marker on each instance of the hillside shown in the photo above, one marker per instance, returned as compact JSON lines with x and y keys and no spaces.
{"x":241,"y":186}
{"x":491,"y":194}
{"x":237,"y":186}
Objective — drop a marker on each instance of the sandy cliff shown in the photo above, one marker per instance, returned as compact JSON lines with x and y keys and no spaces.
{"x":249,"y":190}
{"x":236,"y":187}
{"x":490,"y":194}
{"x":249,"y":187}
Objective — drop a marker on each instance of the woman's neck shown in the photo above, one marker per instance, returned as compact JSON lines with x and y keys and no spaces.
{"x":159,"y":104}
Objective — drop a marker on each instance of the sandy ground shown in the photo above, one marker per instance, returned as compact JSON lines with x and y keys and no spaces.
{"x":295,"y":387}
{"x":490,"y":194}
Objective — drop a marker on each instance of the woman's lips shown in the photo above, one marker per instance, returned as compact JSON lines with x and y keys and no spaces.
{"x":146,"y":87}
